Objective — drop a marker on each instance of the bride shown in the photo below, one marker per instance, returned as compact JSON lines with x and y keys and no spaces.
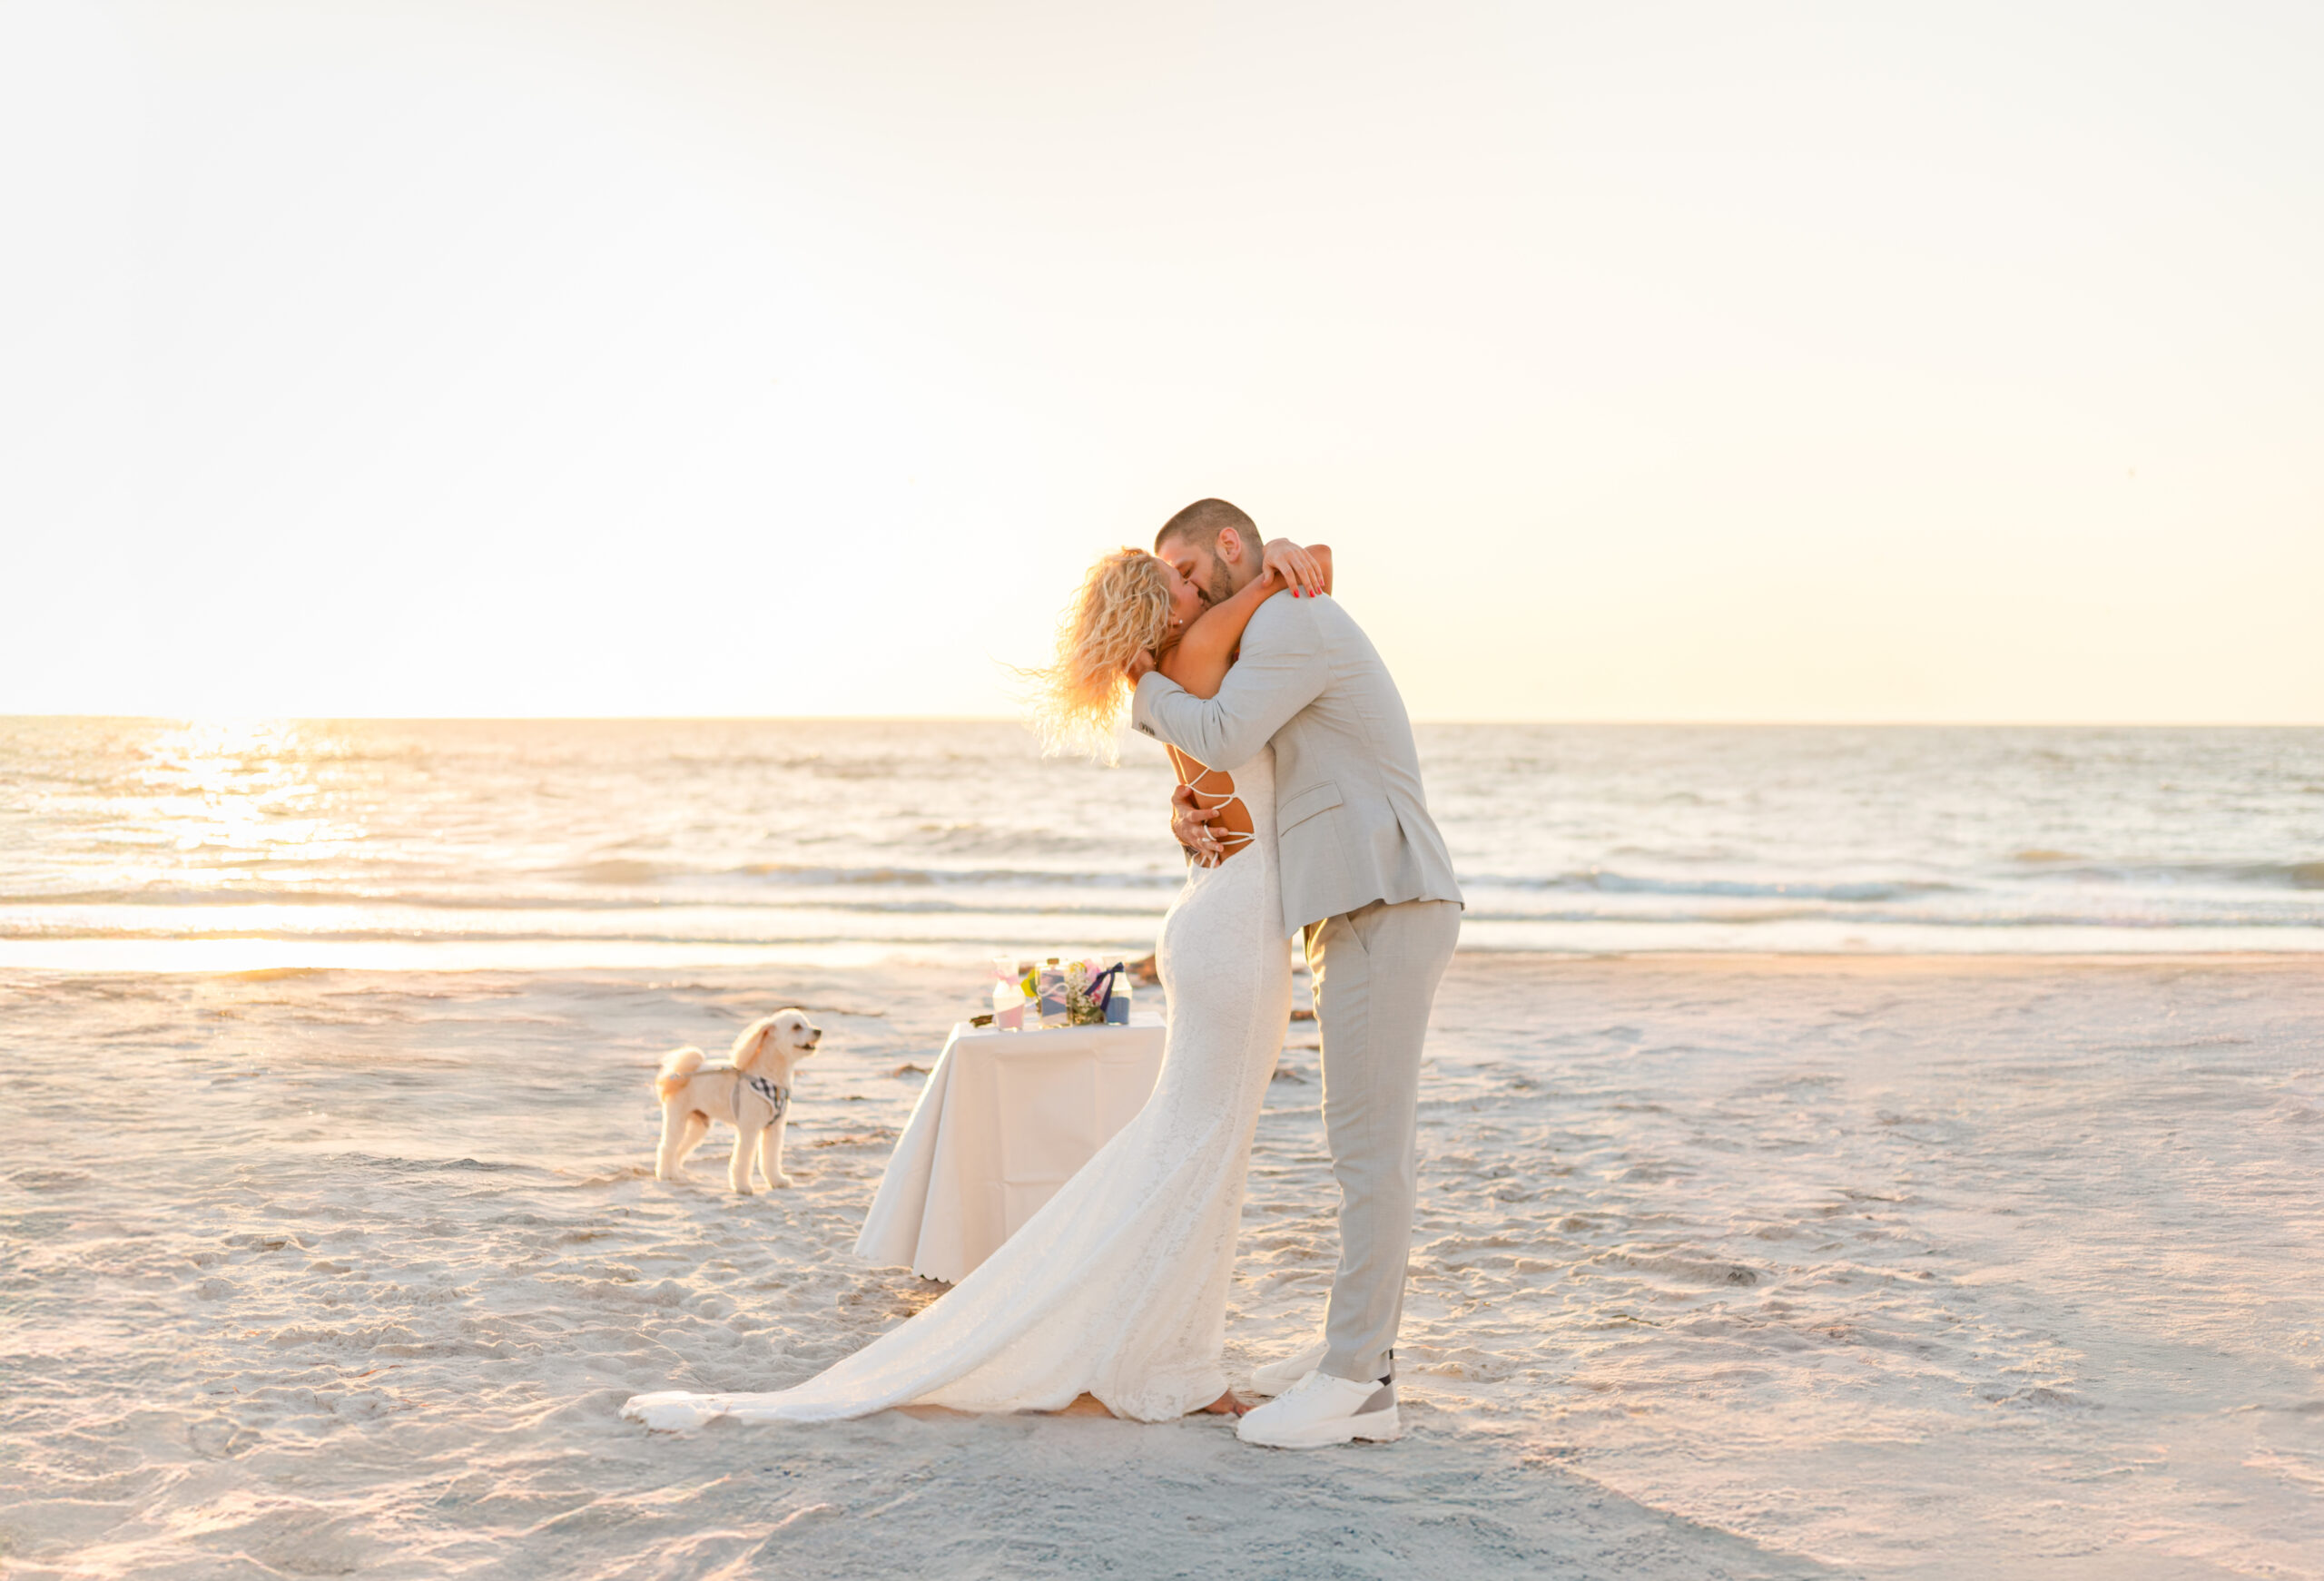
{"x":1117,"y":1288}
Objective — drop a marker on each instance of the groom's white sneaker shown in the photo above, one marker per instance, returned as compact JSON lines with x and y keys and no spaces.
{"x":1277,"y":1376}
{"x":1321,"y":1409}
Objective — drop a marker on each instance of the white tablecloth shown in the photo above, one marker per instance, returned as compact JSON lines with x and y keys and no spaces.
{"x":1006,"y":1118}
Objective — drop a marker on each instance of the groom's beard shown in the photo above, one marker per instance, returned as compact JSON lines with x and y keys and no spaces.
{"x":1221,"y":587}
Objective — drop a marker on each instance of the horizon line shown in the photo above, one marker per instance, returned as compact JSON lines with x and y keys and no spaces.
{"x":1568,"y":723}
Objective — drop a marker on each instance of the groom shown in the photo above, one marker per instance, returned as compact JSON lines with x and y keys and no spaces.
{"x":1368,"y":882}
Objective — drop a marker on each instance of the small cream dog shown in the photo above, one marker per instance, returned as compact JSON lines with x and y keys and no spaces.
{"x":752,"y":1094}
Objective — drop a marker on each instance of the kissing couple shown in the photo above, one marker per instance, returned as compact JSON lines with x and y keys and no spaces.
{"x":1299,"y":802}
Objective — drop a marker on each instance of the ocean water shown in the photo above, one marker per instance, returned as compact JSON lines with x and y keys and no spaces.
{"x":140,"y":844}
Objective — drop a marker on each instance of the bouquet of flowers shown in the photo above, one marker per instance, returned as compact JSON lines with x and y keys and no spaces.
{"x":1089,"y":993}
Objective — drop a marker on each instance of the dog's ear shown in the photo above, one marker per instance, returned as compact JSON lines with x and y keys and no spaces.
{"x":751,"y":1043}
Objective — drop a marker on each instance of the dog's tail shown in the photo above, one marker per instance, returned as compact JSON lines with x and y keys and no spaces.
{"x":677,"y":1066}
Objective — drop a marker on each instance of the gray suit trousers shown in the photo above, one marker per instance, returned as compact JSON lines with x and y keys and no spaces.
{"x":1376,"y":970}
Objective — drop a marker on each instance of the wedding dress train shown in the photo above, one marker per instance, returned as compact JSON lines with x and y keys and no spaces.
{"x":1118,"y":1286}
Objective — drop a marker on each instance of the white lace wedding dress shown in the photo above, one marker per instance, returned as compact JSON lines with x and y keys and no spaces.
{"x":1118,"y":1287}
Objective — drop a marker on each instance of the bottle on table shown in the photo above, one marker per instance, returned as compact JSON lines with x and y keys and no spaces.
{"x":1008,"y":994}
{"x":1050,"y":999}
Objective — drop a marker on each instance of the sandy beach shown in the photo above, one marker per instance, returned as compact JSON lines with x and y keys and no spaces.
{"x":1728,"y":1267}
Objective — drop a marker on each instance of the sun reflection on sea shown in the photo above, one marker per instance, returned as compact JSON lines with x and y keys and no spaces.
{"x":232,"y":797}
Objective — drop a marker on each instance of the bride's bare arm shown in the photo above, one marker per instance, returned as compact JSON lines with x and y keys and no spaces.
{"x":1199,"y":662}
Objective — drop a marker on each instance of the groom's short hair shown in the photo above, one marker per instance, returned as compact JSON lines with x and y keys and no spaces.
{"x":1200,"y":524}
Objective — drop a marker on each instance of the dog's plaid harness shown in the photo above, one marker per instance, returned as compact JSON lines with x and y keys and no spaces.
{"x":778,"y":1098}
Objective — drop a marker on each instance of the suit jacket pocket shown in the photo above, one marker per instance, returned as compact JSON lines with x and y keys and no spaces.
{"x":1298,"y":809}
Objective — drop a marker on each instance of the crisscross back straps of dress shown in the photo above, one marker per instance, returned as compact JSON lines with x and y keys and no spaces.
{"x":1230,"y":839}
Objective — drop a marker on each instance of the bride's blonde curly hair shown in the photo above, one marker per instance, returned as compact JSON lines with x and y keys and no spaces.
{"x":1123,"y":607}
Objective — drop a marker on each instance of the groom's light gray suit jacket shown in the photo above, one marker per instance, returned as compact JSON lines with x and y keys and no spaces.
{"x":1350,"y":818}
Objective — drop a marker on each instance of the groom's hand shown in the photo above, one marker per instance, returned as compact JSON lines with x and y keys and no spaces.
{"x":1140,"y":663}
{"x":1191,"y":822}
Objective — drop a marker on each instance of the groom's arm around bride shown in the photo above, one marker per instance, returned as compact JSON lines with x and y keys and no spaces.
{"x":1351,"y":813}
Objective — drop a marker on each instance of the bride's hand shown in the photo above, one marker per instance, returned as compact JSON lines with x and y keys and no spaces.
{"x":1190,"y":826}
{"x":1298,"y":569}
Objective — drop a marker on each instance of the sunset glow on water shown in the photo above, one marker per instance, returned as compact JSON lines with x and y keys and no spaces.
{"x":150,"y":846}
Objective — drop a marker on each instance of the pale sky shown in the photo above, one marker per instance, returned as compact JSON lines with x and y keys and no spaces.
{"x":1661,"y":361}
